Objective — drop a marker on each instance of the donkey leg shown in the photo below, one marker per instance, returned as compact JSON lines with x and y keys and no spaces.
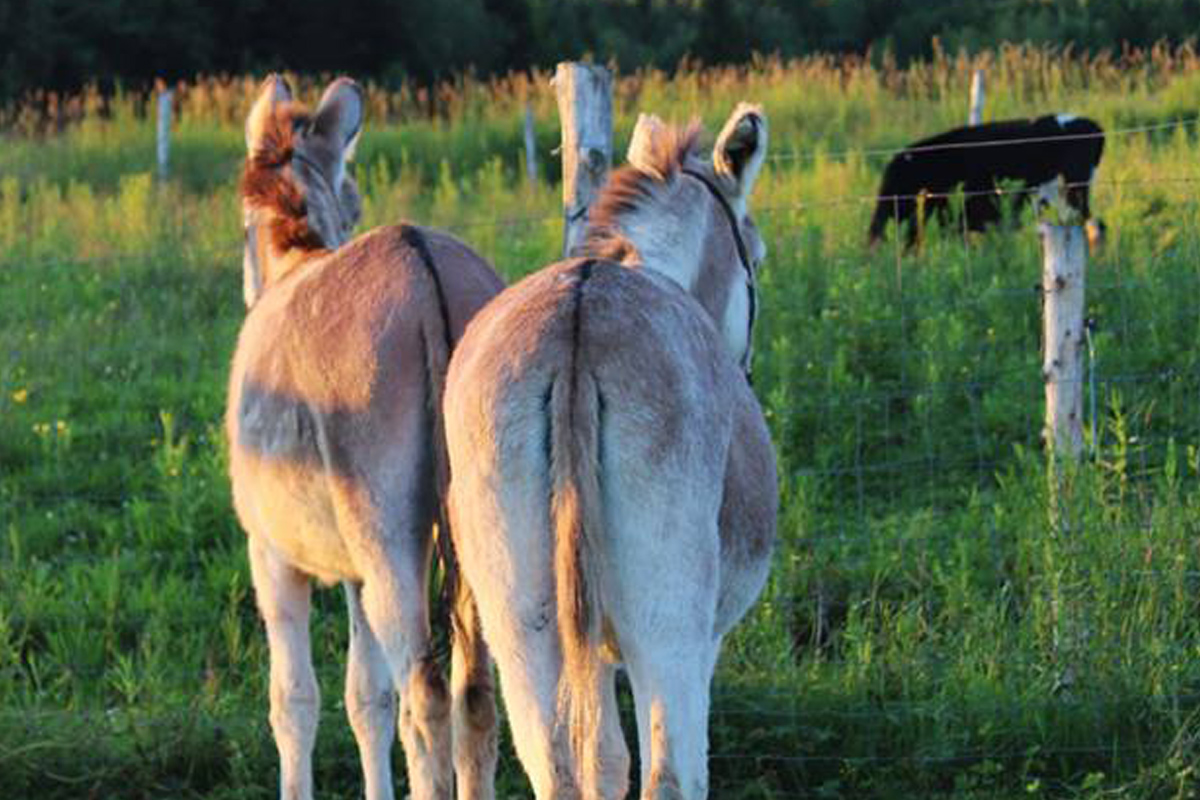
{"x":608,"y":777}
{"x":513,"y":586}
{"x":396,"y":608}
{"x":528,"y":660}
{"x":664,"y":622}
{"x":425,"y":731}
{"x":283,"y":600}
{"x":671,"y":682}
{"x":370,"y":700}
{"x":474,"y":704}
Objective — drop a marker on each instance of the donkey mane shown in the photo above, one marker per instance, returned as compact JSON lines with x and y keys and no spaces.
{"x":630,"y":188}
{"x":264,"y":185}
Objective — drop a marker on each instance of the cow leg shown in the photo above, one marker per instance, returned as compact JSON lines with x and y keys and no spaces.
{"x":938,"y":207}
{"x":912,"y":224}
{"x":981,"y":210}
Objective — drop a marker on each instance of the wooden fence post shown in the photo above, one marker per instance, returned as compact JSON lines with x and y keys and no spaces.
{"x":1064,"y":333}
{"x":531,"y":165}
{"x":1064,"y":263}
{"x":975,"y":114}
{"x":164,"y":130}
{"x":585,"y":107}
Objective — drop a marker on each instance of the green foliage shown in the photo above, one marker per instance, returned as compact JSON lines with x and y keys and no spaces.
{"x":60,"y":45}
{"x":947,"y":614}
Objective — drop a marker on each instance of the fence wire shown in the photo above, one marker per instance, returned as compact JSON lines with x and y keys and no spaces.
{"x":40,"y":622}
{"x":1117,"y":133}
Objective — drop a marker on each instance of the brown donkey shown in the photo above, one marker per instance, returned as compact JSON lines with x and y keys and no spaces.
{"x":613,"y":484}
{"x":337,"y":455}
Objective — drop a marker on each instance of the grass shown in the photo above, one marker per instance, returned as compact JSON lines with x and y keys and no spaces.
{"x":929,"y":628}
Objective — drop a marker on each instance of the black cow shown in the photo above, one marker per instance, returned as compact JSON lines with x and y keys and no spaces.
{"x":1035,"y":152}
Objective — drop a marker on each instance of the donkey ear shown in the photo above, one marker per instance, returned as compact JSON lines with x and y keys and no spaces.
{"x":742,"y":146}
{"x":644,"y":144}
{"x":339,"y":116}
{"x":273,"y":91}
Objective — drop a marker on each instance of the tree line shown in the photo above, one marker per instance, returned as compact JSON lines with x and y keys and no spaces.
{"x":61,"y":44}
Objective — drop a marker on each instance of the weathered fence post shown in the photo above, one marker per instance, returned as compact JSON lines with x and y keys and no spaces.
{"x":585,"y":107}
{"x":164,"y":130}
{"x":1064,"y":261}
{"x":975,"y":114}
{"x":1064,"y":333}
{"x":531,"y":166}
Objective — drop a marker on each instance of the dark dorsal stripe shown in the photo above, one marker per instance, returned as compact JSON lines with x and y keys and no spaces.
{"x":412,"y":236}
{"x":743,"y":255}
{"x":585,"y":272}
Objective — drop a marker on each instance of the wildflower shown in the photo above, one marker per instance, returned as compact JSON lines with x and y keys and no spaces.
{"x":20,"y":396}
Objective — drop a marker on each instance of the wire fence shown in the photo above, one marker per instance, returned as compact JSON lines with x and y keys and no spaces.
{"x":843,"y":155}
{"x":866,"y":469}
{"x":183,"y":725}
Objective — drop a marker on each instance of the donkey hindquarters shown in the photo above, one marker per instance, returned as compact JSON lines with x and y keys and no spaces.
{"x":333,"y":450}
{"x":613,"y":497}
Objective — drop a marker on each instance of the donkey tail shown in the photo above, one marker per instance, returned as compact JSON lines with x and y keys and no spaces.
{"x":577,"y":521}
{"x":439,"y":343}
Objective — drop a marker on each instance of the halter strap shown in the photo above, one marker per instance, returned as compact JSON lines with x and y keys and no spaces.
{"x":250,"y":247}
{"x":743,"y":256}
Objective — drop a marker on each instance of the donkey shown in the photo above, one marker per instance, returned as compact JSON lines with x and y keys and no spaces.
{"x":613,"y":486}
{"x":336,"y":450}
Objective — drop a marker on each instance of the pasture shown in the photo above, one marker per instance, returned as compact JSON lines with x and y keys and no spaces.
{"x":926,"y":630}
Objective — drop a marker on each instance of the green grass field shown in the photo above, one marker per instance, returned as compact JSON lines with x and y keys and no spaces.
{"x":927,"y":630}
